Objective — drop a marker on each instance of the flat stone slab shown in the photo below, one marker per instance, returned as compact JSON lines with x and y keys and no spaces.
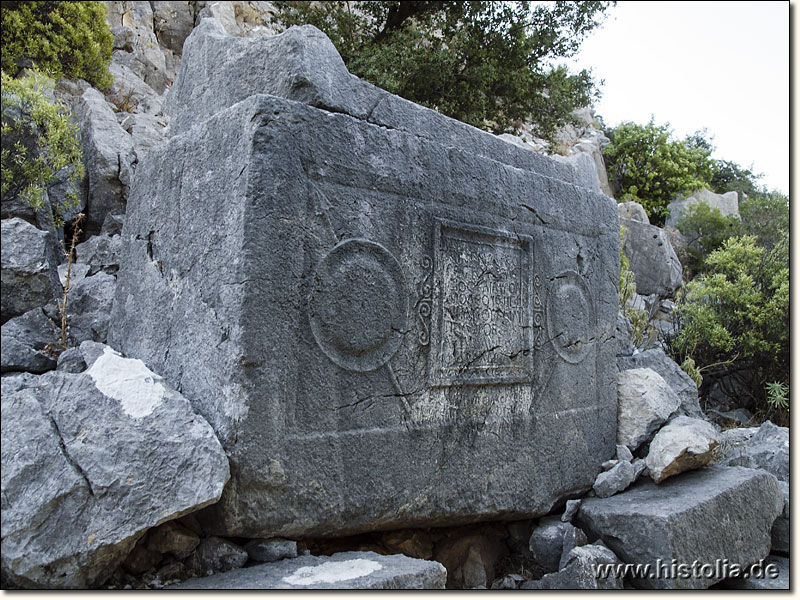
{"x":342,"y":571}
{"x":711,"y":514}
{"x":385,"y":330}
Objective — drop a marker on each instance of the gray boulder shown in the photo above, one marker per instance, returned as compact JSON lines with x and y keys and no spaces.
{"x":307,"y":415}
{"x":583,"y":570}
{"x":616,"y":479}
{"x":728,"y":204}
{"x":547,"y":542}
{"x":89,"y":308}
{"x":624,"y":335}
{"x":679,"y":521}
{"x":172,"y":538}
{"x":644,"y":402}
{"x":108,"y":156}
{"x":677,"y":379}
{"x":71,"y":361}
{"x":584,"y":168}
{"x":90,"y":462}
{"x":344,"y":570}
{"x":770,"y":574}
{"x":174,"y":21}
{"x":26,"y":343}
{"x":765,"y":448}
{"x":681,"y":445}
{"x":129,"y":92}
{"x":781,"y":531}
{"x":652,"y":259}
{"x":633,"y":211}
{"x":271,"y":550}
{"x":101,"y":253}
{"x":571,"y":510}
{"x":217,"y":555}
{"x":143,"y":56}
{"x":29,"y":278}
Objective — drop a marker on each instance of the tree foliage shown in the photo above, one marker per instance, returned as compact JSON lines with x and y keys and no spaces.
{"x":40,"y":143}
{"x":645,"y":164}
{"x":61,"y":39}
{"x":485,"y":63}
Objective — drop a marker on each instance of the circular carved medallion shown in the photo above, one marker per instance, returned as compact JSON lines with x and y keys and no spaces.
{"x":570,"y":317}
{"x":358,"y":306}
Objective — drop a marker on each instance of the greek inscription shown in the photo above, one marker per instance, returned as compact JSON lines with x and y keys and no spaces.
{"x":484,"y":313}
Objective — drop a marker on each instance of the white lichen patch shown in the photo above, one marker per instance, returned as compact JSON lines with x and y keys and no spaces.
{"x":129,"y":381}
{"x":331,"y":572}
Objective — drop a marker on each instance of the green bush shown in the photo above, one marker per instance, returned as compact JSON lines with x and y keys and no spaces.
{"x":62,"y":39}
{"x":765,"y":216}
{"x":647,"y":166}
{"x":734,"y":318}
{"x":705,"y":228}
{"x":485,"y":63}
{"x":39,"y":142}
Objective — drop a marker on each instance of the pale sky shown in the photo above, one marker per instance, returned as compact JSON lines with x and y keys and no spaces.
{"x":719,"y":65}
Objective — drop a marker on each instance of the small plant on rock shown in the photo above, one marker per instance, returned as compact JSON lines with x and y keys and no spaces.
{"x":40,"y":144}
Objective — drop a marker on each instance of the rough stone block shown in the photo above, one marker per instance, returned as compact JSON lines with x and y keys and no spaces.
{"x":705,"y":515}
{"x":343,"y":299}
{"x":345,"y":570}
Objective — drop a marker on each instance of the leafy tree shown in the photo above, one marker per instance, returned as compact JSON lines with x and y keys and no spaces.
{"x":765,"y":216}
{"x":735,"y":317}
{"x":728,"y":176}
{"x":646,"y":165}
{"x":40,"y":142}
{"x":484,"y":63}
{"x":61,"y":39}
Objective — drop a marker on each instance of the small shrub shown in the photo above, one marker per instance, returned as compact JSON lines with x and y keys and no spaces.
{"x":734,"y":318}
{"x":39,"y":142}
{"x":62,"y":39}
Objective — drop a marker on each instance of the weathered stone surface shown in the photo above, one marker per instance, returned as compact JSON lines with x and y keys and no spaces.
{"x":616,"y":479}
{"x":571,"y":510}
{"x":29,"y":278}
{"x":728,"y":204}
{"x":547,"y":542}
{"x":761,"y":576}
{"x":107,"y":154}
{"x":580,"y":572}
{"x":767,"y":448}
{"x":357,"y":348}
{"x":271,"y":550}
{"x":345,"y":570}
{"x":25,"y":343}
{"x":623,"y":453}
{"x":652,"y":259}
{"x":112,"y":224}
{"x":71,"y":361}
{"x":172,"y":538}
{"x":632,"y":211}
{"x":584,"y":168}
{"x":144,"y":56}
{"x":624,"y":335}
{"x":645,"y":402}
{"x":130,"y":93}
{"x":680,"y":520}
{"x":174,"y":21}
{"x":681,"y":445}
{"x":90,"y":462}
{"x":101,"y":253}
{"x":671,"y":372}
{"x":77,"y":271}
{"x":573,"y":538}
{"x":781,"y":531}
{"x":217,"y":555}
{"x":14,"y":382}
{"x":89,"y":308}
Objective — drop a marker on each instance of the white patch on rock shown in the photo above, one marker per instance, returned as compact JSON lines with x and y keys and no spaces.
{"x":331,"y":572}
{"x":128,"y":381}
